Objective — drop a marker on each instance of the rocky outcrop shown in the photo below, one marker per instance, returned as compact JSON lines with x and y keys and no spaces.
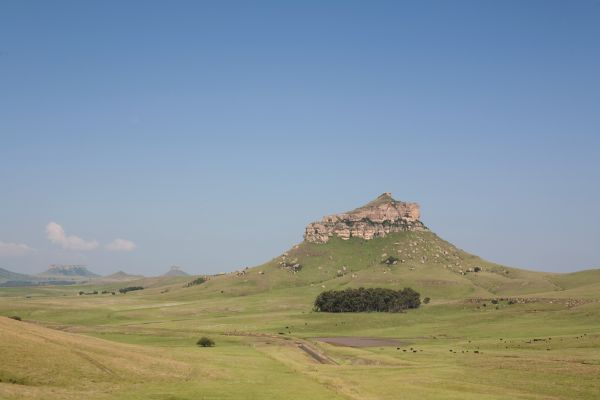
{"x":375,"y":219}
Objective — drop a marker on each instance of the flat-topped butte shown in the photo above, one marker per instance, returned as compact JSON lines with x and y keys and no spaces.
{"x":375,"y":219}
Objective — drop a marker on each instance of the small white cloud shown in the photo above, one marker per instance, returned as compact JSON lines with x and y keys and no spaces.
{"x":120,"y":245}
{"x":56,"y":234}
{"x":14,"y":249}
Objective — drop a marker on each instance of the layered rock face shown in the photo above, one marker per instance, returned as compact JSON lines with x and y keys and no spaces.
{"x":375,"y":219}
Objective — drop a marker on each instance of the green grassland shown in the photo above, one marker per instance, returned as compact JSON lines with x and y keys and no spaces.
{"x":540,"y":339}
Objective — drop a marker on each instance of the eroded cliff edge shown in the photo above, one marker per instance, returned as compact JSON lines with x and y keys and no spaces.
{"x":375,"y":219}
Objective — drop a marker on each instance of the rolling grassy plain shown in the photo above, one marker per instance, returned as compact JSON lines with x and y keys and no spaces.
{"x":541,"y":340}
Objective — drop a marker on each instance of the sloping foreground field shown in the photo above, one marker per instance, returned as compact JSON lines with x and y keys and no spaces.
{"x":42,"y":363}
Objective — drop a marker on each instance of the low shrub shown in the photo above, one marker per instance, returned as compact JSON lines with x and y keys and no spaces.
{"x":15,"y":317}
{"x":391,"y":260}
{"x":205,"y":342}
{"x":426,"y":300}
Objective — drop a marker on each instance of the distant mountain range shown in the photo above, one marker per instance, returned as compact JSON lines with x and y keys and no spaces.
{"x":68,"y":271}
{"x":58,"y":275}
{"x":9,"y":278}
{"x":72,"y":274}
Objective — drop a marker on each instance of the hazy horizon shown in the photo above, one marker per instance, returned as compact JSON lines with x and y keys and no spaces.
{"x":207,"y":135}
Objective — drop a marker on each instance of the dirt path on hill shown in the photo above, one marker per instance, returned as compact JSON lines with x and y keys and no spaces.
{"x":303,"y":345}
{"x":315,"y":354}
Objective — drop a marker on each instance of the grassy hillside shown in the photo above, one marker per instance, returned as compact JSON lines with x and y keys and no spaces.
{"x":37,"y":359}
{"x":257,"y":355}
{"x":460,"y":346}
{"x":425,"y":262}
{"x":42,"y":363}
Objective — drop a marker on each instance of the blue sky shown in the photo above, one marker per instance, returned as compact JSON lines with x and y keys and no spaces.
{"x":208,"y":134}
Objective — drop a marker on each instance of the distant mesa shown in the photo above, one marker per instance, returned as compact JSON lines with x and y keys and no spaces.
{"x":74,"y":271}
{"x":377,"y":218}
{"x":176,"y":271}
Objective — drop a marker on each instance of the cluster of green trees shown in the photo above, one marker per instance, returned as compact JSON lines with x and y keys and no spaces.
{"x":370,"y":299}
{"x":130,"y":289}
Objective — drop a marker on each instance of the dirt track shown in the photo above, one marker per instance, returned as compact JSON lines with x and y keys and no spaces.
{"x":319,"y":357}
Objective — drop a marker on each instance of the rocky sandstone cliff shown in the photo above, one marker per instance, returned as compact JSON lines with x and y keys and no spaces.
{"x":375,"y":219}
